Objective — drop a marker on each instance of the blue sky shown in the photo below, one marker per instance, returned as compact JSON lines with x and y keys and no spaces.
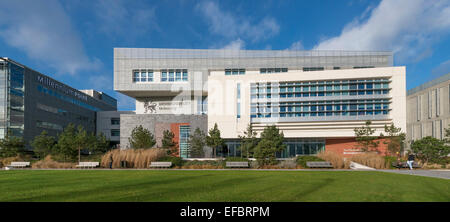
{"x":72,"y":41}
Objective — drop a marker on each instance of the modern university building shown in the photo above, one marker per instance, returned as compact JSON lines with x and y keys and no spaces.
{"x":31,"y":102}
{"x":429,"y":109}
{"x":316,"y":98}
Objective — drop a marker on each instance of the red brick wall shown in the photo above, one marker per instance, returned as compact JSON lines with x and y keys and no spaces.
{"x":348,"y":146}
{"x":175,"y":128}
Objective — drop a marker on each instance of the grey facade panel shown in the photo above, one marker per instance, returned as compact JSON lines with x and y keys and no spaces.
{"x":156,"y":123}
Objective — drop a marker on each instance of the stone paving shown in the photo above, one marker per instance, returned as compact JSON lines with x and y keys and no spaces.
{"x":445,"y":174}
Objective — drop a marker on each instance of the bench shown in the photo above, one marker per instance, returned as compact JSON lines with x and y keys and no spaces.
{"x":161,"y":164}
{"x":319,"y":164}
{"x":405,"y":165}
{"x":88,"y":164}
{"x":19,"y":164}
{"x":236,"y":164}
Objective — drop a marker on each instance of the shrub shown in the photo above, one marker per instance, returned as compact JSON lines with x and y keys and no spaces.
{"x":135,"y":158}
{"x":288,"y":164}
{"x":49,"y":163}
{"x":370,"y":159}
{"x":7,"y":160}
{"x":301,"y":160}
{"x":337,"y":160}
{"x":236,"y":159}
{"x":389,"y":160}
{"x":176,"y":161}
{"x":207,"y":164}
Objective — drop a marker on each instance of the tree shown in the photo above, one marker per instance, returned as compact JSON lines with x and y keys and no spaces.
{"x":66,"y":145}
{"x":99,"y":143}
{"x":366,"y":142}
{"x":271,"y":142}
{"x":447,"y":135}
{"x":11,"y":145}
{"x":196,"y":143}
{"x":81,"y":140}
{"x":214,"y":140}
{"x":168,"y":143}
{"x":394,"y":139}
{"x":43,"y":144}
{"x":248,"y":142}
{"x":141,"y":138}
{"x":430,"y":149}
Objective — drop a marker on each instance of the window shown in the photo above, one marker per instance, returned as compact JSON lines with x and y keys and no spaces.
{"x":115,"y":121}
{"x":171,"y":75}
{"x":307,"y":69}
{"x":136,"y":76}
{"x":115,"y":132}
{"x":178,"y":75}
{"x":184,"y":140}
{"x":143,"y":76}
{"x":185,"y":75}
{"x":163,"y":75}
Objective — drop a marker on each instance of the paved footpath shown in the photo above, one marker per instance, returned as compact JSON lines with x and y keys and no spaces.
{"x":445,"y":174}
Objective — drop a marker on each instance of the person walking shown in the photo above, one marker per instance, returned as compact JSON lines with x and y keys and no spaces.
{"x":110,"y":162}
{"x":410,"y":161}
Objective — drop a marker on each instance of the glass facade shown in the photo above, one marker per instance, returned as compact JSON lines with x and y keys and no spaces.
{"x":338,"y":98}
{"x":184,"y":141}
{"x":60,"y":96}
{"x":294,"y":147}
{"x":12,"y":103}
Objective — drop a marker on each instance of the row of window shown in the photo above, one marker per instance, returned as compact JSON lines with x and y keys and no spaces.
{"x":167,"y":75}
{"x":64,"y":113}
{"x":314,"y":94}
{"x":321,"y":114}
{"x":47,"y":125}
{"x":302,"y":83}
{"x":316,"y":88}
{"x":176,"y":75}
{"x":143,"y":76}
{"x":60,"y":96}
{"x":332,"y":102}
{"x":234,"y":71}
{"x":313,"y":108}
{"x":272,"y":70}
{"x":293,"y":148}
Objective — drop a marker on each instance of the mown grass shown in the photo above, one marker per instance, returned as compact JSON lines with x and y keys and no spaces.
{"x":172,"y":185}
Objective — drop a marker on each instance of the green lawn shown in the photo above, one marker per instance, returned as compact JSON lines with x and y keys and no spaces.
{"x":174,"y":185}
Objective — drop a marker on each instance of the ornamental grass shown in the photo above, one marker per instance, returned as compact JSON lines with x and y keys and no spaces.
{"x":135,"y":158}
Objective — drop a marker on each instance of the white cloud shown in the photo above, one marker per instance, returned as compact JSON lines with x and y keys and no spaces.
{"x":127,"y":19}
{"x":296,"y":46}
{"x":442,"y":69}
{"x":235,"y":45}
{"x":42,"y":30}
{"x":407,"y":27}
{"x":233,"y":26}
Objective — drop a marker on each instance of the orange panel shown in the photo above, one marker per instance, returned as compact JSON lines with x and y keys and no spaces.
{"x":348,"y":146}
{"x":175,"y":128}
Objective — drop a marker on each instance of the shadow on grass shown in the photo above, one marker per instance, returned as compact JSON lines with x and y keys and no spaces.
{"x":108,"y":189}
